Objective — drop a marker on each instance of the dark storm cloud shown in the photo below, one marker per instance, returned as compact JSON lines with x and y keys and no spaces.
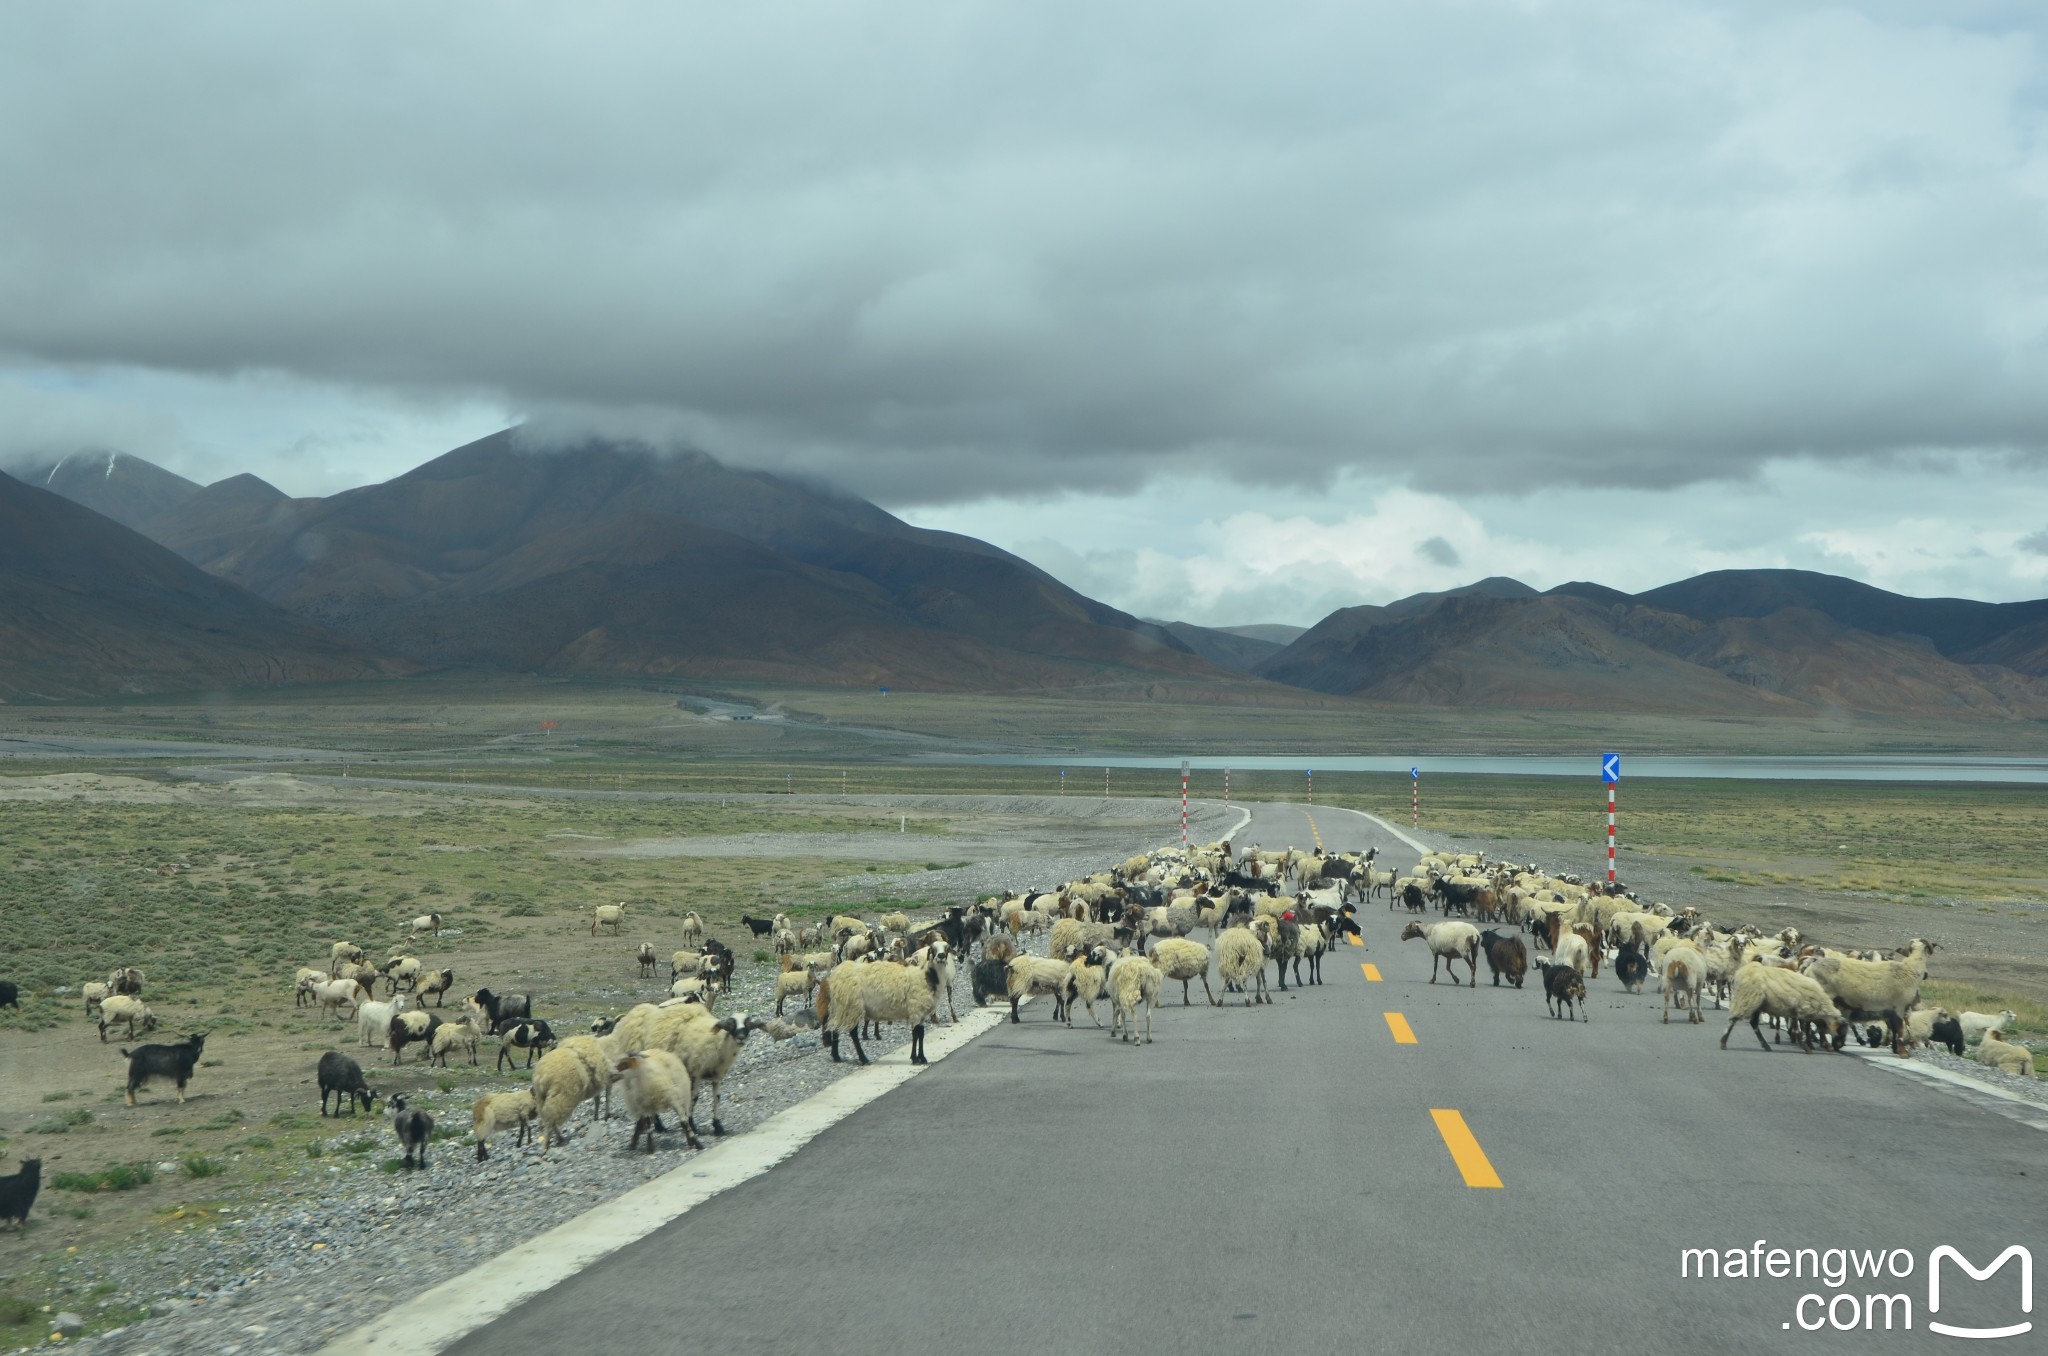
{"x":936,"y":252}
{"x":1438,"y":550}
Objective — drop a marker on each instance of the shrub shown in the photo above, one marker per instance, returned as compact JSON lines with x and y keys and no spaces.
{"x":116,"y":1177}
{"x":198,"y":1165}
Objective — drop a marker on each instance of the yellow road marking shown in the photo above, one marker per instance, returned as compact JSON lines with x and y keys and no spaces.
{"x":1313,"y":829}
{"x":1399,"y":1026}
{"x":1465,"y":1151}
{"x":1372,"y":972}
{"x":1354,"y":939}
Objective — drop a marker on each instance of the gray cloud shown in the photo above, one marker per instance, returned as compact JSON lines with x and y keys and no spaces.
{"x":1438,"y":550}
{"x":936,"y":254}
{"x":2035,"y":543}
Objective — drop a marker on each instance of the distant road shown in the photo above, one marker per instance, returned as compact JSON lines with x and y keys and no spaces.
{"x":1294,"y":1178}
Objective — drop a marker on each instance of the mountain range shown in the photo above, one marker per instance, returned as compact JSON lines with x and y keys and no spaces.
{"x":611,"y":559}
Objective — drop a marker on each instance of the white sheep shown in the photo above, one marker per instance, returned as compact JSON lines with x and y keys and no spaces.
{"x":1450,"y":942}
{"x":565,"y":1078}
{"x":1184,"y":960}
{"x":1685,"y":970}
{"x":793,"y":983}
{"x":1241,"y":964}
{"x":896,"y":922}
{"x":1766,"y":991}
{"x":1042,"y":976}
{"x":426,"y":922}
{"x":457,"y":1035}
{"x":335,"y":994}
{"x":1133,"y":984}
{"x":1573,"y":950}
{"x":405,"y":970}
{"x":611,"y":916}
{"x":1995,"y":1052}
{"x":940,"y":954}
{"x":1976,"y":1024}
{"x":706,"y":1045}
{"x":501,"y":1111}
{"x":1090,"y":974}
{"x":96,"y":991}
{"x":884,"y":992}
{"x":1868,"y":991}
{"x":373,"y":1021}
{"x":1920,"y":1025}
{"x":341,"y":952}
{"x":696,"y":988}
{"x":126,"y":1009}
{"x":654,"y":1081}
{"x":693,"y":930}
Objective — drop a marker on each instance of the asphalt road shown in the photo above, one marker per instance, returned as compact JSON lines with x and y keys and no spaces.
{"x":1279,"y":1179}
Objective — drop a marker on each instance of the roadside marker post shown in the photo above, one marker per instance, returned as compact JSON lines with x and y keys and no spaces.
{"x":1063,"y":781}
{"x":1105,"y":783}
{"x":1311,"y":786}
{"x":1610,"y":772}
{"x":1415,"y":798}
{"x":1183,"y":805}
{"x":1226,"y":790}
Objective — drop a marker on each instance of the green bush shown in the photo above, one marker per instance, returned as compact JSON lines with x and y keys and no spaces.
{"x":116,"y":1177}
{"x":198,"y":1165}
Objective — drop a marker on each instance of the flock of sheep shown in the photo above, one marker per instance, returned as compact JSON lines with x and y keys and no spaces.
{"x":1818,"y":994}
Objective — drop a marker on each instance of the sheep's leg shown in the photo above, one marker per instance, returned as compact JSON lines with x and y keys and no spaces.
{"x":1214,"y":1001}
{"x":916,"y":1047}
{"x":860,"y":1053}
{"x":831,"y":1039}
{"x":483,"y":1154}
{"x":1754,"y":1026}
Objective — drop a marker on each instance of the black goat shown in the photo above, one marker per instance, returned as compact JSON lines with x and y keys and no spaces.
{"x":1562,"y":987}
{"x":1948,"y":1031}
{"x":1505,"y":956}
{"x":343,"y":1077}
{"x":415,"y":1129}
{"x":1630,"y":967}
{"x":164,"y":1061}
{"x":760,"y":927}
{"x":989,"y":979}
{"x":10,"y":997}
{"x":529,"y":1034}
{"x":18,"y":1191}
{"x":498,"y":1007}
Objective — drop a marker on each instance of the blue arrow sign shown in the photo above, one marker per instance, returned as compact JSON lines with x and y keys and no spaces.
{"x":1415,"y":773}
{"x":1610,"y":767}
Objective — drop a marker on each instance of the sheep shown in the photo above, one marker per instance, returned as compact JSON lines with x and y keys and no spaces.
{"x":1505,"y":956}
{"x":1562,"y":986}
{"x":611,"y":916}
{"x":1976,"y":1024}
{"x":886,"y":993}
{"x":1042,"y":975}
{"x":175,"y":1062}
{"x":415,"y":1130}
{"x":708,"y":1046}
{"x":1311,"y":945}
{"x":448,"y":1037}
{"x":648,"y":958}
{"x":1995,"y":1052}
{"x":1873,"y":990}
{"x":896,"y":922}
{"x":1089,"y":974}
{"x":426,"y":922}
{"x":940,"y":953}
{"x":334,"y":994}
{"x":654,"y":1081}
{"x":529,"y":1035}
{"x":501,"y":1111}
{"x":1949,"y":1032}
{"x":408,"y":1028}
{"x":791,"y":983}
{"x":303,"y":983}
{"x":127,"y":1010}
{"x":1241,"y":964}
{"x":1072,"y":937}
{"x":692,"y":929}
{"x":1920,"y":1025}
{"x":566,"y":1077}
{"x":1766,"y":990}
{"x":1178,"y":958}
{"x":437,"y":983}
{"x":340,"y":952}
{"x":1684,"y":971}
{"x":342,"y":1077}
{"x":1133,"y":984}
{"x":1632,"y":969}
{"x":95,"y":994}
{"x":786,"y":942}
{"x":402,"y":970}
{"x":497,"y":1007}
{"x":1448,"y":942}
{"x":373,"y":1021}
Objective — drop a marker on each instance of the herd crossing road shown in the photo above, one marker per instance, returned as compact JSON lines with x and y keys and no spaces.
{"x":1375,"y":1163}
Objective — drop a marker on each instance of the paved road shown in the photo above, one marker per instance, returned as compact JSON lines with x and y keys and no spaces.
{"x":1275,"y":1180}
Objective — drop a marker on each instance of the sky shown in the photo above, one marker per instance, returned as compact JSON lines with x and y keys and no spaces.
{"x":1222,"y":312}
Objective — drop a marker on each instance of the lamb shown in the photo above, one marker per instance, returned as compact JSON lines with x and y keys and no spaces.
{"x":1448,"y":942}
{"x":96,"y":993}
{"x":426,"y":922}
{"x":1133,"y":984}
{"x":1026,"y":976}
{"x":373,"y":1021}
{"x":408,"y":1028}
{"x":1949,"y":1032}
{"x":1868,"y":991}
{"x":611,"y":916}
{"x":1241,"y":964}
{"x":174,"y":1062}
{"x":1505,"y":956}
{"x":791,"y":983}
{"x":529,"y":1035}
{"x":342,"y":1077}
{"x":1685,"y":970}
{"x":128,"y":1010}
{"x":1562,"y":986}
{"x":1976,"y":1024}
{"x":654,"y":1081}
{"x":501,"y":1111}
{"x":452,"y":1036}
{"x":415,"y":1130}
{"x":1178,"y":958}
{"x":696,"y":988}
{"x":18,"y":1192}
{"x":1995,"y":1052}
{"x":886,"y":993}
{"x":1766,"y":990}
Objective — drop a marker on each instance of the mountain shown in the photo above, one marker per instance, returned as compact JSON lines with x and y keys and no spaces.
{"x":89,"y":606}
{"x":1223,"y":647}
{"x":131,"y":491}
{"x":605,"y":557}
{"x":1273,"y":633}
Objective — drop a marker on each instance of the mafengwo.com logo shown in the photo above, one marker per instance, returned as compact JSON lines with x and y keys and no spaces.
{"x":1873,"y":1289}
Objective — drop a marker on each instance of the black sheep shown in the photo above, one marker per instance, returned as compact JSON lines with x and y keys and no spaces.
{"x":343,"y":1077}
{"x":10,"y":995}
{"x":18,"y":1191}
{"x":1630,"y":967}
{"x":1948,"y":1031}
{"x":415,"y":1128}
{"x":164,"y":1061}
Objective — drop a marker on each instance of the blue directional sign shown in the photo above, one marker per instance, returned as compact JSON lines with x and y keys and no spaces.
{"x":1610,"y":767}
{"x":1415,"y":774}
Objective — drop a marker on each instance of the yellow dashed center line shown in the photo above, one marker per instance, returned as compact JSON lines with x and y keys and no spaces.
{"x":1399,"y":1026}
{"x":1318,"y":833}
{"x":1465,"y":1151}
{"x":1354,"y":939}
{"x":1372,"y":972}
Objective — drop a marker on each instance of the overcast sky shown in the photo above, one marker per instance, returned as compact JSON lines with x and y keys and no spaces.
{"x":1219,"y":311}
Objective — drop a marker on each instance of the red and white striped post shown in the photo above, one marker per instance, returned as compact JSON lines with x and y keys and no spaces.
{"x":1105,"y":783}
{"x":1226,"y":789}
{"x":1183,"y":805}
{"x":1311,"y":786}
{"x":1610,"y":833}
{"x":1415,"y":798}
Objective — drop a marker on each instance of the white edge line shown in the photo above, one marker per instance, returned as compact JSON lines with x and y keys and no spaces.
{"x":2021,"y":1109}
{"x":437,"y":1318}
